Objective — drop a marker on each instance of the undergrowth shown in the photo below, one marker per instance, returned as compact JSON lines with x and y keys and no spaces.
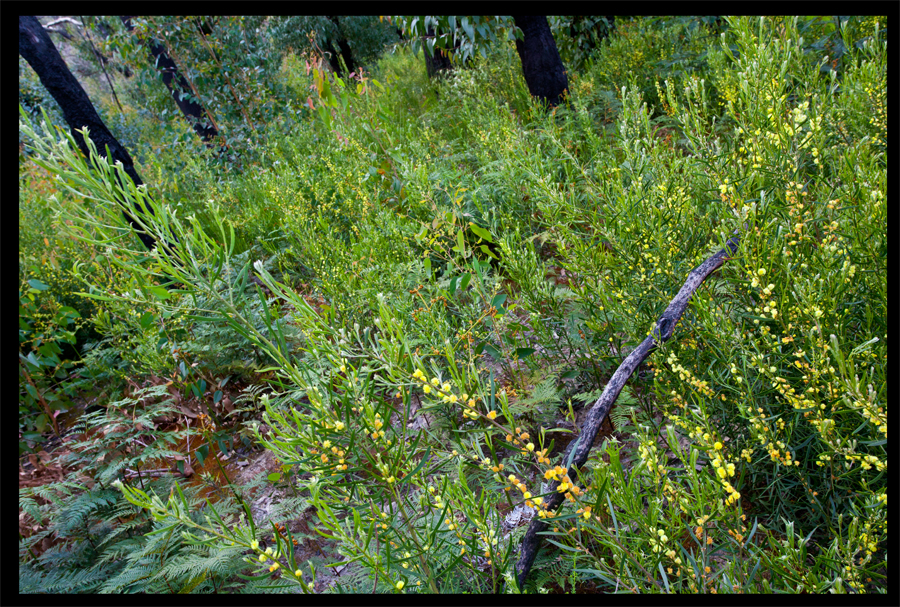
{"x":432,"y":282}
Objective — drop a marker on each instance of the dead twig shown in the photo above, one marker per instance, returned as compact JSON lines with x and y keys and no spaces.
{"x":661,"y":333}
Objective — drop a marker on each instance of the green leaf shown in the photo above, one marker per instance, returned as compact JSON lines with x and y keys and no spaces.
{"x":32,"y":391}
{"x":417,"y":468}
{"x":69,"y":312}
{"x":94,"y":296}
{"x":488,"y":252}
{"x":146,"y":320}
{"x":493,"y":351}
{"x":201,"y":452}
{"x":37,"y":284}
{"x":481,"y":232}
{"x":160,"y":293}
{"x":274,"y":477}
{"x":460,"y":242}
{"x":498,"y":300}
{"x":465,"y":281}
{"x":566,"y":548}
{"x":467,"y":27}
{"x":523,"y":353}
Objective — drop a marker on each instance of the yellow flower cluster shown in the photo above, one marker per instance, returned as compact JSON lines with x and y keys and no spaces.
{"x":444,"y":390}
{"x":724,"y":470}
{"x":648,"y":455}
{"x":685,"y":375}
{"x":658,"y":538}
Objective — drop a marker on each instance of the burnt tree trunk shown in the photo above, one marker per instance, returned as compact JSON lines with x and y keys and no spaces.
{"x":38,"y":50}
{"x":334,"y":58}
{"x":180,"y":89}
{"x":543,"y":69}
{"x":344,"y":46}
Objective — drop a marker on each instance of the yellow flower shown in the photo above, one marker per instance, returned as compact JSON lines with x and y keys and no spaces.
{"x":492,"y":415}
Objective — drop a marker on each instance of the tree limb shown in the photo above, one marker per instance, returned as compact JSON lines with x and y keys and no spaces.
{"x":581,"y":447}
{"x":63,"y":20}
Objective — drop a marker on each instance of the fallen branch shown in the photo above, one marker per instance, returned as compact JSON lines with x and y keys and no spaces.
{"x":661,"y":333}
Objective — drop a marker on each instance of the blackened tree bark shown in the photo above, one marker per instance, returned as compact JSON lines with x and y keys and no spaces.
{"x":440,"y":63}
{"x":344,"y":46}
{"x":544,"y":71}
{"x":180,"y":89}
{"x":333,"y":59}
{"x":38,"y":50}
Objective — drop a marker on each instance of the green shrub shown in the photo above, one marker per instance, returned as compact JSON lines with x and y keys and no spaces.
{"x":425,"y":395}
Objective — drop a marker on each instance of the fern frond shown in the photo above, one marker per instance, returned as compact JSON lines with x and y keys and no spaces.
{"x":33,"y":580}
{"x":128,"y":577}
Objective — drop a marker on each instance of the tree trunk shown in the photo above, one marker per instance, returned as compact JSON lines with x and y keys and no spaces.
{"x":333,"y":60}
{"x":440,"y":63}
{"x":544,"y":71}
{"x":180,"y":89}
{"x":38,"y":50}
{"x":342,"y":43}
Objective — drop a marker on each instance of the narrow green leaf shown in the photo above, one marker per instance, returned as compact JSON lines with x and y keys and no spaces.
{"x":481,"y":232}
{"x":488,"y":252}
{"x":460,"y":242}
